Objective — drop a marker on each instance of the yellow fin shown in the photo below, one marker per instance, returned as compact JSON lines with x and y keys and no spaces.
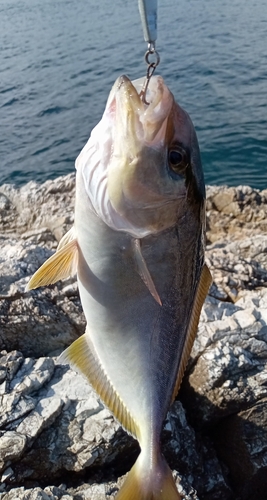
{"x":201,"y":293}
{"x":67,"y":238}
{"x":82,"y":356}
{"x":59,"y":266}
{"x":149,"y":482}
{"x":143,"y":271}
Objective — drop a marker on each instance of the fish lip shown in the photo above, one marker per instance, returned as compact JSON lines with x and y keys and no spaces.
{"x":126,"y":91}
{"x":123,"y":84}
{"x":123,"y":94}
{"x":121,"y":80}
{"x":128,"y":101}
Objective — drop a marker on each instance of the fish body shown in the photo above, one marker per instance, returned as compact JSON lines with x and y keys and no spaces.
{"x":138,"y":248}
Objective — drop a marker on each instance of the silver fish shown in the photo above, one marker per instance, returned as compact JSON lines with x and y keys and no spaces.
{"x":138,"y":248}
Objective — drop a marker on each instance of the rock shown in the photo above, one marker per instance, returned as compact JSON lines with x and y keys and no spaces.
{"x":50,"y":315}
{"x":194,"y":456}
{"x":225,"y":202}
{"x":28,"y":210}
{"x":230,"y":373}
{"x":245,"y":434}
{"x":93,"y":492}
{"x":237,"y":266}
{"x":32,"y":221}
{"x":12,"y":446}
{"x":63,"y":429}
{"x":53,"y":428}
{"x":235,"y":213}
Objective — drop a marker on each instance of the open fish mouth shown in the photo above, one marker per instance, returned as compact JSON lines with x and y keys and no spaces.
{"x":139,"y":187}
{"x":146,"y":122}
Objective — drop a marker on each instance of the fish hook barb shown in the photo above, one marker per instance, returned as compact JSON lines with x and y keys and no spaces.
{"x":151,"y":66}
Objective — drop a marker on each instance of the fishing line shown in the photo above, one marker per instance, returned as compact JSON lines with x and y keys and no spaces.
{"x":149,"y":14}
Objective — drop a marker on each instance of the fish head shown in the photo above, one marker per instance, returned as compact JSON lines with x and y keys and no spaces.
{"x":155,"y":155}
{"x":151,"y":159}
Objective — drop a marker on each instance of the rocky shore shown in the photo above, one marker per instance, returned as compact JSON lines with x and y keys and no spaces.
{"x":57,"y":441}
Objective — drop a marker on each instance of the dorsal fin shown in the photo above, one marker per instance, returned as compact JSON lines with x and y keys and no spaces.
{"x":143,"y":270}
{"x":82,"y":355}
{"x":201,"y":293}
{"x":61,"y":265}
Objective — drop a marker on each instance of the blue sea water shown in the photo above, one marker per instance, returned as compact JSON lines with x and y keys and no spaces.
{"x":59,"y":59}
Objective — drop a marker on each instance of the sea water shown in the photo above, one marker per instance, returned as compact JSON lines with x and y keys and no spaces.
{"x":59,"y":59}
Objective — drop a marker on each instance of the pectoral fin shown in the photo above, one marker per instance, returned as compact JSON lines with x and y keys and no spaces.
{"x":201,"y":293}
{"x":144,"y":272}
{"x":81,"y":354}
{"x":67,"y":238}
{"x":62,"y":264}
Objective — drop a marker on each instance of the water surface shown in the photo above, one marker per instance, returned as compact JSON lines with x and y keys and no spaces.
{"x":59,"y":59}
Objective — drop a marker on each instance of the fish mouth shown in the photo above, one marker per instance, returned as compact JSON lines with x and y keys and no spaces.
{"x":140,"y":191}
{"x":135,"y":118}
{"x":127,"y":90}
{"x":123,"y":80}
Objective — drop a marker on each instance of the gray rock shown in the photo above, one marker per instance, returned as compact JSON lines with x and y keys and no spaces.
{"x":235,"y":213}
{"x":32,"y":221}
{"x":12,"y":446}
{"x":237,"y":266}
{"x":64,"y":428}
{"x":36,"y":209}
{"x":85,"y":492}
{"x":245,"y":435}
{"x":195,"y":455}
{"x":52,"y":426}
{"x":48,"y":314}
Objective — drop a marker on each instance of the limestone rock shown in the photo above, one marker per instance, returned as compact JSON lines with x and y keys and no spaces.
{"x":245,"y":435}
{"x":237,"y":266}
{"x":53,"y":424}
{"x":40,"y":395}
{"x":231,"y":372}
{"x":53,"y":315}
{"x":36,"y":207}
{"x":224,"y":390}
{"x":93,"y":491}
{"x":235,"y":213}
{"x":33,"y":218}
{"x":54,"y":430}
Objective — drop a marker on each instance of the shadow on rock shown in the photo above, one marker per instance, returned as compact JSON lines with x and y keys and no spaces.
{"x":239,"y":442}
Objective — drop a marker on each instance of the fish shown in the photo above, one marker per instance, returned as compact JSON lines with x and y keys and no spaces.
{"x":137,"y":246}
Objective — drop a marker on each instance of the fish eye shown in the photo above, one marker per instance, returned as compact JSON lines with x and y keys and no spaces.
{"x":178,"y":160}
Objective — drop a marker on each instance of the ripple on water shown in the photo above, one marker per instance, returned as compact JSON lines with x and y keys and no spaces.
{"x":59,"y":60}
{"x":52,"y":110}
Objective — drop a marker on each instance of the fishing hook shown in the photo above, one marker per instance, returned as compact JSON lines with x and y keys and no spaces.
{"x":150,"y":69}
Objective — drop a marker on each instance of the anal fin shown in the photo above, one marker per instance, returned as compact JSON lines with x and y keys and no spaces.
{"x":201,"y":293}
{"x":82,"y":356}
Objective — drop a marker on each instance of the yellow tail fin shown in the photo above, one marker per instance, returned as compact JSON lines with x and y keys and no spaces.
{"x":154,"y":483}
